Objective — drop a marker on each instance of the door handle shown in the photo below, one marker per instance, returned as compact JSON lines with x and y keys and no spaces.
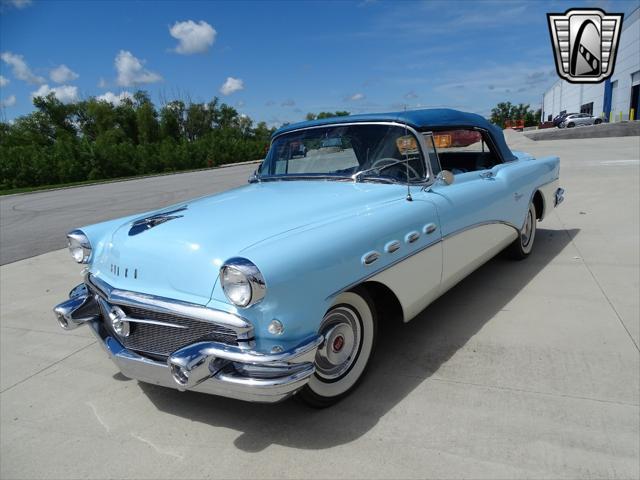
{"x":487,"y":175}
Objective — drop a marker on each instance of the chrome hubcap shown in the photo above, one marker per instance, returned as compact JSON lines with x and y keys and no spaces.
{"x":528,"y":228}
{"x":342,"y":334}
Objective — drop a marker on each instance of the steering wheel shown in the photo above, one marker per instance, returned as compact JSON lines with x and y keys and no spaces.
{"x":382,"y":162}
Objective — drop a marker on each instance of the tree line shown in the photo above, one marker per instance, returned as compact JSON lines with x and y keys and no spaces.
{"x":507,"y":112}
{"x":94,"y":139}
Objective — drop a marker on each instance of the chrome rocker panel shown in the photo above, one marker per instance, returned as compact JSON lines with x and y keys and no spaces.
{"x":205,"y":367}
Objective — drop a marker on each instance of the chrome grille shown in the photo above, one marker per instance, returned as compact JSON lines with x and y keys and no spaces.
{"x":164,"y":340}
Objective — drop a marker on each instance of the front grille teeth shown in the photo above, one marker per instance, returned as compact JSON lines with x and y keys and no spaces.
{"x":163,"y":340}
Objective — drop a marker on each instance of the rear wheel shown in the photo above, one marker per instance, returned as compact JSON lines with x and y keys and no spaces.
{"x":522,"y":246}
{"x":598,"y":121}
{"x":349,"y":329}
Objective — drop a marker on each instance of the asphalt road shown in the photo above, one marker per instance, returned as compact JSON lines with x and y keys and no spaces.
{"x":35,"y":223}
{"x":524,"y":370}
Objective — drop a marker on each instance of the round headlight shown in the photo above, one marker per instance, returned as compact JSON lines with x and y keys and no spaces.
{"x":79,"y":246}
{"x":242,"y":282}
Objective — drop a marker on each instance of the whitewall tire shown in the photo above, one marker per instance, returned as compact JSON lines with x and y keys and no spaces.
{"x":522,"y":246}
{"x":350,"y":329}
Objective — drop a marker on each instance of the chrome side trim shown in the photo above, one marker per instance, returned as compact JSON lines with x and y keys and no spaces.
{"x":559,"y":197}
{"x":418,"y":250}
{"x":242,"y":327}
{"x":479,"y":224}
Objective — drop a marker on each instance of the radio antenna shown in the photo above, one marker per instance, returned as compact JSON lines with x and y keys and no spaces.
{"x":406,"y":164}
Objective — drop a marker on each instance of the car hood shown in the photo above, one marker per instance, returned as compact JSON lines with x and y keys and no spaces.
{"x":177,"y":251}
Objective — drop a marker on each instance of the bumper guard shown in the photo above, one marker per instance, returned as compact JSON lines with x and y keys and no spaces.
{"x":206,"y":367}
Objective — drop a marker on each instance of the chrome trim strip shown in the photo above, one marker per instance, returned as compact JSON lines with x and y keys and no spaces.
{"x":381,"y":269}
{"x":242,"y":327}
{"x":150,"y":322}
{"x":479,"y":224}
{"x":420,"y":138}
{"x":415,"y":252}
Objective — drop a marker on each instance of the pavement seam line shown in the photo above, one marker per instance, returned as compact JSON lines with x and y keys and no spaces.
{"x":595,"y":279}
{"x":48,"y":367}
{"x":535,"y":392}
{"x":62,"y":333}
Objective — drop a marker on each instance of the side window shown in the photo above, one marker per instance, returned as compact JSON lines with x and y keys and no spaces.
{"x":432,"y":154}
{"x":464,"y":150}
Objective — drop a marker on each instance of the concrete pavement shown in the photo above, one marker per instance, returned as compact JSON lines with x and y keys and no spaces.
{"x":35,"y":223}
{"x":524,"y":370}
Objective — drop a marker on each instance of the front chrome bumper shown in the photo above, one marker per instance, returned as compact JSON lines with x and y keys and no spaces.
{"x":206,"y":367}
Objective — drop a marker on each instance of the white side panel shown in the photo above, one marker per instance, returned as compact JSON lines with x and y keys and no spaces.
{"x":465,"y":251}
{"x":548,"y":194}
{"x":416,"y":280}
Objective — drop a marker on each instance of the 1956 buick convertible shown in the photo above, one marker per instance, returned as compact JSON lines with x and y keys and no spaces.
{"x":277,"y":288}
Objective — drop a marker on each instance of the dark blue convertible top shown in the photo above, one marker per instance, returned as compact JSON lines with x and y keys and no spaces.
{"x":422,"y":120}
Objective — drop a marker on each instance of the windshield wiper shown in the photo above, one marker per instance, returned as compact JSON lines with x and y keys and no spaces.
{"x":356,"y":176}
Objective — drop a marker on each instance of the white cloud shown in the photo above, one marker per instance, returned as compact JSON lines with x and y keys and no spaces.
{"x":3,"y":81}
{"x":357,"y":96}
{"x":62,"y":74}
{"x":102,"y":83}
{"x":410,"y":95}
{"x":64,"y":93}
{"x":10,"y":101}
{"x":20,"y":68}
{"x":16,"y":3}
{"x":231,"y":85}
{"x":193,"y":37}
{"x":115,"y":99}
{"x":288,"y":103}
{"x":131,"y":70}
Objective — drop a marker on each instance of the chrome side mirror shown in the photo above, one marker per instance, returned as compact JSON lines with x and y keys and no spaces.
{"x":253,"y":178}
{"x":445,"y":177}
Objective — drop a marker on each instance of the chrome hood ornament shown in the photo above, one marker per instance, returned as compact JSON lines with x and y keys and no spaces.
{"x":144,"y":224}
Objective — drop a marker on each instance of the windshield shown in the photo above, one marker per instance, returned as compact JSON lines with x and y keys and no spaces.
{"x":387,"y":153}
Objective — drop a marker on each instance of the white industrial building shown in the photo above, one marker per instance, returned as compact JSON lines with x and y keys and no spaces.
{"x":615,"y":99}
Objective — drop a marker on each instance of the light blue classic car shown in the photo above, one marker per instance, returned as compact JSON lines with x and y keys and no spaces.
{"x":278,"y":287}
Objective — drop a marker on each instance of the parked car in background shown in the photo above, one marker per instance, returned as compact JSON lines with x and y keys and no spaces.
{"x":579,"y":120}
{"x":560,"y":118}
{"x":278,"y":287}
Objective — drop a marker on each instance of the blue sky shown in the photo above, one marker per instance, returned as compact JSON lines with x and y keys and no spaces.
{"x":276,"y":61}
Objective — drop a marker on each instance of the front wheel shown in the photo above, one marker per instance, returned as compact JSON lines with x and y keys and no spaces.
{"x":522,"y":246}
{"x":597,"y":121}
{"x":350,"y":330}
{"x":571,"y":125}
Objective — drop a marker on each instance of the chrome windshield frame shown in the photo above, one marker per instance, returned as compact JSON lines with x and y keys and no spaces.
{"x":422,"y":145}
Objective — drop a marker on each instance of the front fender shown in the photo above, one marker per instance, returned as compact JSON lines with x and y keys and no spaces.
{"x":305,"y":269}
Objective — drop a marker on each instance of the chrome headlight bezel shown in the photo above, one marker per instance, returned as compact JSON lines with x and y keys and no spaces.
{"x":249,"y":278}
{"x":79,"y":246}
